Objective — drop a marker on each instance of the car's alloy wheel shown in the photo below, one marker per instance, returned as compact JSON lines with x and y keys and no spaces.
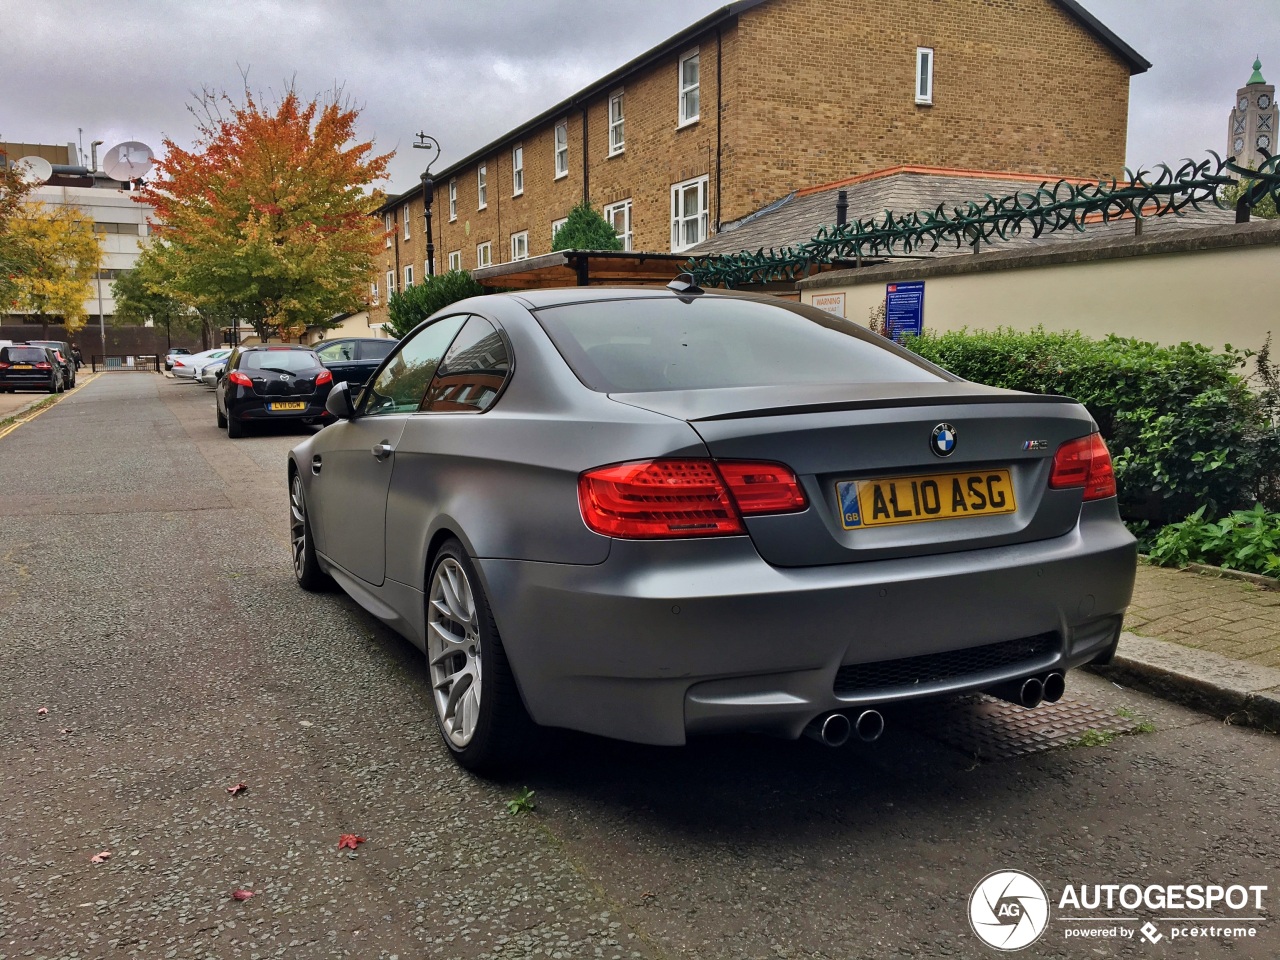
{"x":306,"y":568}
{"x":477,"y":704}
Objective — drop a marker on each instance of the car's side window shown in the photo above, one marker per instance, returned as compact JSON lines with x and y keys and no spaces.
{"x":400,"y":386}
{"x":371,"y":350}
{"x":336,"y":351}
{"x":472,"y":372}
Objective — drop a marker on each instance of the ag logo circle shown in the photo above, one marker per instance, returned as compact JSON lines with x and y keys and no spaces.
{"x":1008,"y":910}
{"x":943,"y":441}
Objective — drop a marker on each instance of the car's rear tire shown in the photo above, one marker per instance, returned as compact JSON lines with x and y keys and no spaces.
{"x":476,"y":701}
{"x":222,"y":421}
{"x":54,"y":384}
{"x":235,"y":429}
{"x":306,"y":568}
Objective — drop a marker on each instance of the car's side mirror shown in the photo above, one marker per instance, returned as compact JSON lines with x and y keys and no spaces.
{"x":339,"y":402}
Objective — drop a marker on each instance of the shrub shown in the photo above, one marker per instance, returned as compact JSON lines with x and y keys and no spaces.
{"x":586,"y":230}
{"x":407,"y":308}
{"x":1245,"y":540}
{"x":1183,"y":425}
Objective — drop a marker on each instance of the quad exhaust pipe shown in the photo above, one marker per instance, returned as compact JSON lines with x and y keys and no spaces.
{"x":834,"y":729}
{"x":1032,"y":691}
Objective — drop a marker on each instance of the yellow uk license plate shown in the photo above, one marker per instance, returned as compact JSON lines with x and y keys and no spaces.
{"x":289,"y":405}
{"x":939,"y":496}
{"x":22,"y":366}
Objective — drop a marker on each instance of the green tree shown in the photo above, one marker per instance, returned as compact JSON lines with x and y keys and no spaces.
{"x":142,"y":296}
{"x":1264,"y":209}
{"x":585,"y":229}
{"x":60,"y":256}
{"x":268,"y":216}
{"x":408,"y":308}
{"x":13,"y":257}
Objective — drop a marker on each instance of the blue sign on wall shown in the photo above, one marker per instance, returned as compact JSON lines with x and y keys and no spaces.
{"x":903,"y":310}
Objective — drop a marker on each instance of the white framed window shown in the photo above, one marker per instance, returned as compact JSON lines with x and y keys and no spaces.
{"x":555,"y":226}
{"x":482,"y":186}
{"x":427,"y":270}
{"x":455,"y":259}
{"x":619,"y":216}
{"x":517,"y":170}
{"x":562,"y":149}
{"x":391,"y":283}
{"x":453,"y":200}
{"x":373,"y":293}
{"x":484,"y":254}
{"x":408,"y":276}
{"x":688,"y":213}
{"x":404,"y":212}
{"x":924,"y":75}
{"x":520,"y":245}
{"x":389,"y":224}
{"x":690,"y":93}
{"x":617,"y":137}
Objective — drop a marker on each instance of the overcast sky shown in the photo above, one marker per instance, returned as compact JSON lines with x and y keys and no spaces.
{"x":465,"y":72}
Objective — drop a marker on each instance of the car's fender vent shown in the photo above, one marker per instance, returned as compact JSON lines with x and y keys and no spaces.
{"x":861,"y":678}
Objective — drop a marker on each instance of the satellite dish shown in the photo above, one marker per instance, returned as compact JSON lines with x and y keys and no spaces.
{"x":128,"y":161}
{"x":34,"y":169}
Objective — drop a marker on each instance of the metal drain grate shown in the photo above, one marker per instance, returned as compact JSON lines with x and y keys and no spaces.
{"x":991,"y":729}
{"x":862,"y":678}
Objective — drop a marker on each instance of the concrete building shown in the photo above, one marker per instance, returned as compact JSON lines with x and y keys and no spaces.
{"x":765,"y":97}
{"x":1254,"y":122}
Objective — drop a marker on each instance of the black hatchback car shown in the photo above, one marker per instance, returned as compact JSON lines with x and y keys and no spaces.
{"x":353,"y":359}
{"x":27,"y":367}
{"x":268,"y":382}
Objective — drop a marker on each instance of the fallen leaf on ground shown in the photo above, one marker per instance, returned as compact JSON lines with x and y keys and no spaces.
{"x":349,"y":841}
{"x":102,"y":857}
{"x":238,"y":788}
{"x":241,"y":894}
{"x":42,"y":711}
{"x":66,"y":730}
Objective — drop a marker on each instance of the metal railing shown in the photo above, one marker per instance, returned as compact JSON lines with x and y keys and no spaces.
{"x":1049,"y":208}
{"x":122,"y":363}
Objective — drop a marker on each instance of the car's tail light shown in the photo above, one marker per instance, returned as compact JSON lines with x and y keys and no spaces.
{"x":656,"y":499}
{"x":3,"y":365}
{"x":762,"y":487}
{"x":325,"y":376}
{"x":239,"y":379}
{"x":1084,"y":462}
{"x":44,"y":365}
{"x":178,"y":363}
{"x":684,"y":498}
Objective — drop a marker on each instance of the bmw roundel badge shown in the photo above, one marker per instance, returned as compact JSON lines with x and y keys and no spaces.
{"x":943,"y":441}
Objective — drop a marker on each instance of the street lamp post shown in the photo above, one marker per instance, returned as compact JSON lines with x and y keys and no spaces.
{"x":428,"y":195}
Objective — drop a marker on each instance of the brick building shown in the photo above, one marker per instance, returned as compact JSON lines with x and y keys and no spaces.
{"x":766,"y":96}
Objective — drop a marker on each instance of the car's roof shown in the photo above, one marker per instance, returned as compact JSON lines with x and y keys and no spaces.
{"x":275,"y":346}
{"x":325,"y":343}
{"x":557,"y":296}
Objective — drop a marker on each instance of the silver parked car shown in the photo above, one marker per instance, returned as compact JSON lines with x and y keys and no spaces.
{"x":650,"y":514}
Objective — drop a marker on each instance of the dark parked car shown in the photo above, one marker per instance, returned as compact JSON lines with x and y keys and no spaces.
{"x":268,"y":382}
{"x":655,"y":514}
{"x":66,"y":359}
{"x":353,"y":359}
{"x":24,"y":366}
{"x":174,"y":352}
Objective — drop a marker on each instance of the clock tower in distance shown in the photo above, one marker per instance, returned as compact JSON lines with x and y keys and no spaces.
{"x":1254,"y":121}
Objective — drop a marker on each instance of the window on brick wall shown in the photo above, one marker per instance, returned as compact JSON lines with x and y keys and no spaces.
{"x":484,"y":254}
{"x":482,"y":186}
{"x":408,"y":276}
{"x":619,"y":215}
{"x":391,"y":283}
{"x":617,"y":138}
{"x":455,"y":259}
{"x":373,"y":294}
{"x":453,"y":200}
{"x":517,"y":170}
{"x":389,"y":224}
{"x":924,"y":75}
{"x":690,"y":96}
{"x":562,"y":149}
{"x":520,"y":245}
{"x":404,"y":212}
{"x":556,"y":225}
{"x":688,"y":213}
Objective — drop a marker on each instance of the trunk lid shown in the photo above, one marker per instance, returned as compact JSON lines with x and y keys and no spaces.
{"x":865,"y":457}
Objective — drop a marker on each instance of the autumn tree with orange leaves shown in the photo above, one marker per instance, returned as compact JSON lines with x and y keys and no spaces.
{"x":267,"y":217}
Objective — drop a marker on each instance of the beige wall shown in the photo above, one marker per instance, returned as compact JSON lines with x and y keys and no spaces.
{"x":1214,"y":296}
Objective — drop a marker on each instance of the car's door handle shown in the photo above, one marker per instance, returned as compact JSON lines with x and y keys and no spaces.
{"x":383,"y":450}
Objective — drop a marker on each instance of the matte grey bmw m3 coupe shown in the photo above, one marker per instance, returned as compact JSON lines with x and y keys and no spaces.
{"x":651,"y":514}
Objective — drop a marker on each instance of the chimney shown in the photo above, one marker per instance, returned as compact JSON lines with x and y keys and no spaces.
{"x":842,"y":208}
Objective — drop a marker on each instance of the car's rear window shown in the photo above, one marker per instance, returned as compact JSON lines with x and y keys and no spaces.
{"x":642,"y":345}
{"x":24,"y":354}
{"x":293,"y":361}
